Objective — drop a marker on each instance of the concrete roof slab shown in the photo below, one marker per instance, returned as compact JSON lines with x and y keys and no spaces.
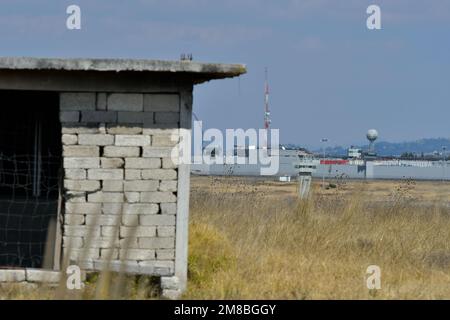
{"x":199,"y":71}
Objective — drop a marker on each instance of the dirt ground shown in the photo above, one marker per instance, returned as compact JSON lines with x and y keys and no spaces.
{"x":375,"y":190}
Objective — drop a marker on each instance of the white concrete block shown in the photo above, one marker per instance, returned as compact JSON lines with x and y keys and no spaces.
{"x":112,"y":186}
{"x":137,"y":254}
{"x":140,"y":208}
{"x":121,"y":152}
{"x":69,"y":139}
{"x":165,"y":231}
{"x":12,"y":275}
{"x":81,"y":151}
{"x":164,"y":140}
{"x":105,"y":174}
{"x":112,"y":208}
{"x":156,"y":243}
{"x":83,"y":208}
{"x":130,"y":220}
{"x":102,"y":242}
{"x":82,"y":185}
{"x":170,"y":283}
{"x":168,"y":208}
{"x":141,"y":185}
{"x":39,"y":275}
{"x":131,"y":267}
{"x":157,"y":267}
{"x":165,"y":254}
{"x":167,"y":163}
{"x":129,"y":243}
{"x":75,"y":174}
{"x":73,"y":219}
{"x":75,"y":196}
{"x":139,"y":231}
{"x":156,"y":220}
{"x":81,"y":231}
{"x":161,"y":129}
{"x":106,"y":197}
{"x":171,"y":294}
{"x":158,"y":197}
{"x":132,"y":197}
{"x":159,"y":174}
{"x":81,"y":163}
{"x":76,"y":128}
{"x":112,"y":163}
{"x":132,"y":174}
{"x":132,"y":140}
{"x":110,"y":231}
{"x":170,"y":185}
{"x":96,"y":139}
{"x":109,"y":254}
{"x":141,"y":163}
{"x":73,"y":242}
{"x":157,"y":152}
{"x":124,"y":128}
{"x":103,"y":220}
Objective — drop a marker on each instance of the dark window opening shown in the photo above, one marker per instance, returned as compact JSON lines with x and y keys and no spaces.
{"x":30,"y":166}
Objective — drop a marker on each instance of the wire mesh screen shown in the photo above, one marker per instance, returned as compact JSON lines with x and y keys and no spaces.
{"x":30,"y":157}
{"x":28,"y":201}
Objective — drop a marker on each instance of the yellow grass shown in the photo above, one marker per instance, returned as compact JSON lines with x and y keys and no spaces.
{"x":253,"y":239}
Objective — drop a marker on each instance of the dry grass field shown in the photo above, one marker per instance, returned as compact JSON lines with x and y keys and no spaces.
{"x":254,"y":239}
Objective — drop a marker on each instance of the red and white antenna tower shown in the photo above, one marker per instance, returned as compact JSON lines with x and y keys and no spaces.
{"x":267,"y":120}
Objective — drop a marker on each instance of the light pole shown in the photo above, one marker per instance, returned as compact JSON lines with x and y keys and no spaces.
{"x":444,"y":162}
{"x":324,"y":141}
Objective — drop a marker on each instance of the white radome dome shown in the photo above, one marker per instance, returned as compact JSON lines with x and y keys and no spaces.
{"x":372,"y":135}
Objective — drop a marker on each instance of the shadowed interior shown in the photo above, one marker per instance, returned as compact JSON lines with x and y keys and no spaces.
{"x":30,"y":161}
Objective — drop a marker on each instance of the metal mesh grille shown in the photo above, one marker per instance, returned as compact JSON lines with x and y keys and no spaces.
{"x":30,"y":160}
{"x":26,"y":208}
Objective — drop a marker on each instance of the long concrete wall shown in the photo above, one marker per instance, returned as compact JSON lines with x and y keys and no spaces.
{"x":333,"y":171}
{"x":384,"y":172}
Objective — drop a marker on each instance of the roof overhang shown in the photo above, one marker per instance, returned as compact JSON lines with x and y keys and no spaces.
{"x":58,"y":74}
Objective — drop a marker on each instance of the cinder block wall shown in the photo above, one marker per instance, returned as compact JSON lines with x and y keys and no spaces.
{"x":120,"y":183}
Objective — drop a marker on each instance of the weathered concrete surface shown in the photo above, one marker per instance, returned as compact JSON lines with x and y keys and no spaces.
{"x":32,"y":275}
{"x":17,"y":275}
{"x":208,"y":71}
{"x":38,"y":275}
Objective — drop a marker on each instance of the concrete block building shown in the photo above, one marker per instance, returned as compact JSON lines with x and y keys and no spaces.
{"x":86,"y":174}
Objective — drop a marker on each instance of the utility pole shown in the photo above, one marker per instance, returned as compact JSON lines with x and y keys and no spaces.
{"x":267,"y":120}
{"x":444,"y":162}
{"x":324,"y":141}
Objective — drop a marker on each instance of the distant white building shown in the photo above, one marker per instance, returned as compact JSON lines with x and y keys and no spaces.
{"x":354,"y":153}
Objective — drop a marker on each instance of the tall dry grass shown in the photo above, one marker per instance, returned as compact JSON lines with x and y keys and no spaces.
{"x":246,"y":243}
{"x":252,"y":239}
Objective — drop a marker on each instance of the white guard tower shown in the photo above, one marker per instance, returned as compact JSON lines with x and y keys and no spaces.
{"x":305,"y":166}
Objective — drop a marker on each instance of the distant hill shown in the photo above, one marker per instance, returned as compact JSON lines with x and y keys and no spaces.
{"x":383,"y":148}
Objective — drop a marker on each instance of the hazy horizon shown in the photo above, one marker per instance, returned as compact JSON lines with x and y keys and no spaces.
{"x":330,"y":144}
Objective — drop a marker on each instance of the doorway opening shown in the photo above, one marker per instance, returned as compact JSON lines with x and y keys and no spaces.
{"x":30,"y":171}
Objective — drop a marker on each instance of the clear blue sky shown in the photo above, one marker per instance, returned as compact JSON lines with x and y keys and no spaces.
{"x":329,"y":75}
